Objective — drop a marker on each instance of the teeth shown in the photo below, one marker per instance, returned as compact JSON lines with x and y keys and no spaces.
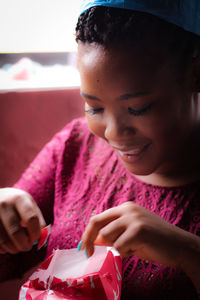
{"x":132,"y":152}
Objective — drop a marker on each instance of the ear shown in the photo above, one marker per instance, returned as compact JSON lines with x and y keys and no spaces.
{"x":196,"y":74}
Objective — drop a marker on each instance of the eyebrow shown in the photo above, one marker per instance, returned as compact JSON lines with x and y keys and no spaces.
{"x":89,"y":96}
{"x":133,"y":95}
{"x":121,"y":97}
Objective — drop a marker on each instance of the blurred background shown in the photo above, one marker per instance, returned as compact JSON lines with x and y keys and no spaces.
{"x":39,"y":80}
{"x":39,"y":85}
{"x":37,"y":43}
{"x":38,"y":25}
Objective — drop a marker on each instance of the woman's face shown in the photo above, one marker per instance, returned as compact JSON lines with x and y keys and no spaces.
{"x":136,"y":103}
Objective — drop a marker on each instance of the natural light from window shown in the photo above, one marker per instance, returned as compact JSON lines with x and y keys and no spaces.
{"x":38,"y":25}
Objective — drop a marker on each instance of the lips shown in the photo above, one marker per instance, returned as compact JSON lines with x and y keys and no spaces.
{"x":131,"y":152}
{"x":131,"y":155}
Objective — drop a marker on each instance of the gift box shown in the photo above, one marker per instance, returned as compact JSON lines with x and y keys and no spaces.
{"x":69,"y":274}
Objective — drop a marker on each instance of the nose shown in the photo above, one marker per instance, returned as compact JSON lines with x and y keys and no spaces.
{"x":118,"y":128}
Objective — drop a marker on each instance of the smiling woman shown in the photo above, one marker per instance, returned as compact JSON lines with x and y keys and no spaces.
{"x":139,"y":80}
{"x":134,"y":107}
{"x":127,"y":175}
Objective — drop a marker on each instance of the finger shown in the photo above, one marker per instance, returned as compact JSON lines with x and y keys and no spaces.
{"x":111,"y":232}
{"x":40,"y":216}
{"x":6,"y":245}
{"x":31,"y":218}
{"x":99,"y":241}
{"x":96,"y":223}
{"x":9,"y":247}
{"x":127,"y":243}
{"x":14,"y":231}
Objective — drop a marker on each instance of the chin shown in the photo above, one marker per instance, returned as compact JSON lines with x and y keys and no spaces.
{"x":140,"y":170}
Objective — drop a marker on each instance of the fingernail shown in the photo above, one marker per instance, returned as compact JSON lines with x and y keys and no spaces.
{"x":86,"y":254}
{"x":79,"y":246}
{"x":35,"y":243}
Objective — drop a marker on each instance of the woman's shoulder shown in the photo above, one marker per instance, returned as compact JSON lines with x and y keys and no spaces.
{"x":78,"y":125}
{"x":72,"y":132}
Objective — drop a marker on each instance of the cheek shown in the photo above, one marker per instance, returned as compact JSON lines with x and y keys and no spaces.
{"x":152,"y":128}
{"x":95,"y":126}
{"x":159,"y":124}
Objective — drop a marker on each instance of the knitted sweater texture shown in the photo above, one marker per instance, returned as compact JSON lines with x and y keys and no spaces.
{"x":78,"y":175}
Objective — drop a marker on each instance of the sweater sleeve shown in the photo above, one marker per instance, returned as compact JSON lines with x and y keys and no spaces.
{"x":39,"y":181}
{"x":39,"y":178}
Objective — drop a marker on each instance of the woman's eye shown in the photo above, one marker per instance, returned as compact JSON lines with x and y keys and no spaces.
{"x":94,"y":111}
{"x":140,"y":112}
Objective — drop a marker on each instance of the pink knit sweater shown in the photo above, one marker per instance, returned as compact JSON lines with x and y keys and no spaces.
{"x":78,"y":175}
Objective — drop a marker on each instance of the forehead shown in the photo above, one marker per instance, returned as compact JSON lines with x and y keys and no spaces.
{"x":123,"y":64}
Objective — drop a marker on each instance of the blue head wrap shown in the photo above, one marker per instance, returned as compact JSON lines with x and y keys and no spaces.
{"x":183,"y":13}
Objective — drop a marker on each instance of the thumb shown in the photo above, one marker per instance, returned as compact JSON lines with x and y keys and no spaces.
{"x":99,"y":241}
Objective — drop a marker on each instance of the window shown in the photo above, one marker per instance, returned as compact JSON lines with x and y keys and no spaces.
{"x":37,"y":43}
{"x":38,"y":25}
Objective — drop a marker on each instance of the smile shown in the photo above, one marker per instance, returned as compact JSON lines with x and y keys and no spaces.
{"x":132,"y":155}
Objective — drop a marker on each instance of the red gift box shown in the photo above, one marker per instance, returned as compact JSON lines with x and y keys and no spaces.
{"x":68,"y":274}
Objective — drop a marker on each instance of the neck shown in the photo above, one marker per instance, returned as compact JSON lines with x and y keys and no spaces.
{"x":163,"y":180}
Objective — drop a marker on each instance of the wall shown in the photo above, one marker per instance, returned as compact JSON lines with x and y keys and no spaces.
{"x":27,"y":121}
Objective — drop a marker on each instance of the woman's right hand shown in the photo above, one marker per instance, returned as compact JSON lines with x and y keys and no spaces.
{"x":21,"y":221}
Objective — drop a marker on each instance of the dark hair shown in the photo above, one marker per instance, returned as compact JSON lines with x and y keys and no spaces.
{"x":114,"y":27}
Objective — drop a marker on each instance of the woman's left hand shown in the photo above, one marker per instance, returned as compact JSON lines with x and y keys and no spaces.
{"x":133,"y":230}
